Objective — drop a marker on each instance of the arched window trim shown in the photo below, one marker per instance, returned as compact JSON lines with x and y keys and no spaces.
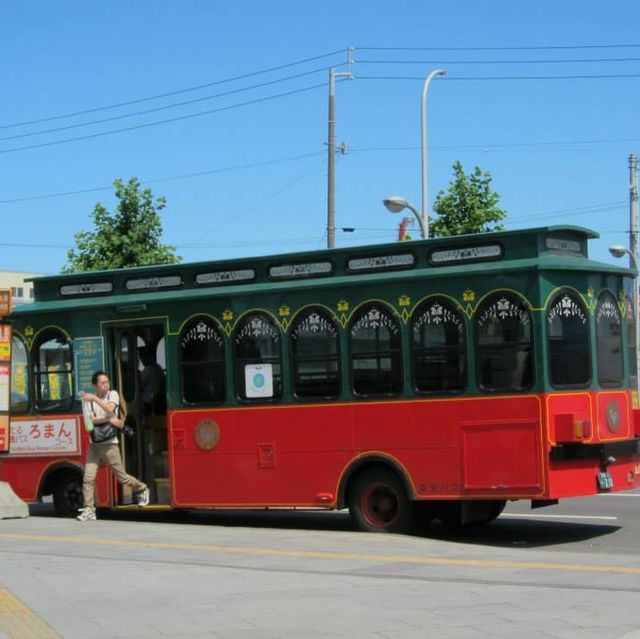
{"x":331,"y":322}
{"x":500,"y":305}
{"x":65,"y":403}
{"x":450,"y":311}
{"x":579,"y":308}
{"x":16,"y":409}
{"x":612,"y":308}
{"x":395,"y":353}
{"x":212,"y":324}
{"x":276,"y":361}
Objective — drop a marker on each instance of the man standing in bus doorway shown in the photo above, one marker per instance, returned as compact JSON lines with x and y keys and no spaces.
{"x":104,"y":404}
{"x":152,"y":384}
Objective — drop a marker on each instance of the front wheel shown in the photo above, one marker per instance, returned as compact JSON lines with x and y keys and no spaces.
{"x":378,"y":502}
{"x":67,"y":494}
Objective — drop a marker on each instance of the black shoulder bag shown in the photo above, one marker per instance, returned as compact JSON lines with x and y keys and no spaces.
{"x":102,"y":433}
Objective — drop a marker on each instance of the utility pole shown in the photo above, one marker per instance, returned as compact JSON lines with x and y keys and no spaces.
{"x":633,"y":208}
{"x":633,"y":257}
{"x":331,"y":145}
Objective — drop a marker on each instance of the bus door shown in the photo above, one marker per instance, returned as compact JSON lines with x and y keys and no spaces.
{"x":139,"y":378}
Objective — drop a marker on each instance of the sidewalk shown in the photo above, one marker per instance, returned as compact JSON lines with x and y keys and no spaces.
{"x":145,"y":578}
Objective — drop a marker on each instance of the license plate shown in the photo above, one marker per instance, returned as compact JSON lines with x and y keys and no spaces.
{"x":605,"y":481}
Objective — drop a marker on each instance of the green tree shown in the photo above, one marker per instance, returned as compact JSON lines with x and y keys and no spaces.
{"x":129,"y":237}
{"x":470,"y":206}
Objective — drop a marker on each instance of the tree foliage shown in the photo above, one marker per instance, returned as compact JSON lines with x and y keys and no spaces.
{"x":129,"y":237}
{"x":470,"y":205}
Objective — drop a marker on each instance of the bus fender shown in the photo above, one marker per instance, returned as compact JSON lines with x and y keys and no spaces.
{"x":365,"y":462}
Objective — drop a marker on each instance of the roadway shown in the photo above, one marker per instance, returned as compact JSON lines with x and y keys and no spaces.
{"x":571,"y":570}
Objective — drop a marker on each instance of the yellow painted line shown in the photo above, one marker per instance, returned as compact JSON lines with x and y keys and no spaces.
{"x":19,"y":622}
{"x":316,"y":554}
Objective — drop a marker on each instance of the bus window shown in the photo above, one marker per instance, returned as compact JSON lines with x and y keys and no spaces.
{"x":438,"y":348}
{"x":52,"y":371}
{"x":314,"y":348}
{"x":504,"y":341}
{"x":568,"y":335}
{"x":202,"y":366}
{"x":258,"y":361}
{"x":609,"y":341}
{"x":375,"y":352}
{"x":19,"y":376}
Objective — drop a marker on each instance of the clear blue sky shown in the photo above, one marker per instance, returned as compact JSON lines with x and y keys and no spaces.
{"x":249,"y":177}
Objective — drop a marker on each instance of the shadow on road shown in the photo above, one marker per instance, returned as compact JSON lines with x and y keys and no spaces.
{"x":504,"y":532}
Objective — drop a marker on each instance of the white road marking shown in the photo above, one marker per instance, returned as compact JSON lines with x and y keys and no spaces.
{"x":528,"y":516}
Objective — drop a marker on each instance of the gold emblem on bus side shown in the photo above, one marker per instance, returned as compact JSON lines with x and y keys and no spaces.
{"x":207,"y":434}
{"x":284,"y":310}
{"x":468,"y":295}
{"x":227,"y":315}
{"x":343,"y":305}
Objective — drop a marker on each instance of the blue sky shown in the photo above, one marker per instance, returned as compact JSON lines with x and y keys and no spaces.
{"x":250,"y":176}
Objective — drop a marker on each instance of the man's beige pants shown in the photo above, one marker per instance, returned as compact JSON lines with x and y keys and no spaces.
{"x":110,"y":454}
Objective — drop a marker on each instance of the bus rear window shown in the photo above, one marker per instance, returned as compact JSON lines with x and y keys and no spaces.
{"x":568,"y":338}
{"x":609,"y":341}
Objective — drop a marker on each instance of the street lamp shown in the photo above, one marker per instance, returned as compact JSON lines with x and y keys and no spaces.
{"x":395,"y":204}
{"x":618,"y":250}
{"x":425,"y":203}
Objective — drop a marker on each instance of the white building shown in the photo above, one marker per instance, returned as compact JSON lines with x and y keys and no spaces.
{"x":21,"y":291}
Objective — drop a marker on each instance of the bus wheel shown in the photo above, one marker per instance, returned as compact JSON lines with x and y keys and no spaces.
{"x":378,"y":502}
{"x":67,"y":494}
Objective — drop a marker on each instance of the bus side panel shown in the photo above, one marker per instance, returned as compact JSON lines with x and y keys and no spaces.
{"x":284,"y":455}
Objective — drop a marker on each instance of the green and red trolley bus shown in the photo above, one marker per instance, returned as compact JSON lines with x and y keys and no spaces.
{"x":440,"y":378}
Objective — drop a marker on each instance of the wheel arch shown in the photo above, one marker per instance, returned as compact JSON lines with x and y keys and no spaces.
{"x":53,"y":473}
{"x":366,"y":462}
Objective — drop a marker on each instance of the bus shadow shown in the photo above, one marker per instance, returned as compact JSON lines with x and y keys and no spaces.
{"x":520,"y":533}
{"x":505,"y":532}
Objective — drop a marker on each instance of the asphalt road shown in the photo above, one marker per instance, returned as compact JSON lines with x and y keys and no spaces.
{"x":570,"y":570}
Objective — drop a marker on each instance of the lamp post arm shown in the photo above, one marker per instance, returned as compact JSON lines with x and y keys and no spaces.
{"x":423,"y":227}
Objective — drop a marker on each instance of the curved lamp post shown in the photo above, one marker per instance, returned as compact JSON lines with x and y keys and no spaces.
{"x":397,"y":204}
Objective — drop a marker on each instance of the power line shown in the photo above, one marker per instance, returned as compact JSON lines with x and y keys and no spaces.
{"x":517,"y":48}
{"x":506,"y":77}
{"x":162,"y":108}
{"x":244,"y":76}
{"x":168,"y":120}
{"x":555,"y":61}
{"x":225,"y":169}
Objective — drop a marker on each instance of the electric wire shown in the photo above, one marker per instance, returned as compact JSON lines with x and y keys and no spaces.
{"x":503,"y":48}
{"x":594,"y":76}
{"x":166,"y":121}
{"x":243,"y":76}
{"x":182,"y":176}
{"x":554,"y":61}
{"x":163,"y":108}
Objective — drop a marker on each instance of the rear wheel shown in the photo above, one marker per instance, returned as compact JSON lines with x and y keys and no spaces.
{"x":378,"y":501}
{"x":67,"y":494}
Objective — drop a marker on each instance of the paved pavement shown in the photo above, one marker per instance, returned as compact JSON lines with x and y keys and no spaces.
{"x":142,"y":578}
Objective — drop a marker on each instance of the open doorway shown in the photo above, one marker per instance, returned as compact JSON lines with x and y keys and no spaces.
{"x":139,"y":363}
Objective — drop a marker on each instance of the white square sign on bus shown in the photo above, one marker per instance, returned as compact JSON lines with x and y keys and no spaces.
{"x":258,"y":380}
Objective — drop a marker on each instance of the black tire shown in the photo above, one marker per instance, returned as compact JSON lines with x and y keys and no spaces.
{"x":67,"y":494}
{"x":450,"y":513}
{"x":378,"y":502}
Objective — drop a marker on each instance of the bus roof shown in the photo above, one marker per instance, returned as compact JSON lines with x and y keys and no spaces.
{"x":539,"y":248}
